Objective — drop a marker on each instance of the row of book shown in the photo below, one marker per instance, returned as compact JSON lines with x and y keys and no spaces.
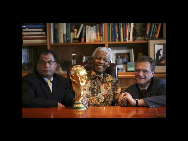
{"x":64,"y":33}
{"x":119,"y":32}
{"x":34,"y":33}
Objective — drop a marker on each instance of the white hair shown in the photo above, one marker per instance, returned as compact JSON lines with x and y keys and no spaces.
{"x":104,"y":49}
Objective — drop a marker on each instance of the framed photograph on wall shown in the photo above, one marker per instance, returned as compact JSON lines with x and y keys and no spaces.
{"x":157,"y":51}
{"x":120,"y":56}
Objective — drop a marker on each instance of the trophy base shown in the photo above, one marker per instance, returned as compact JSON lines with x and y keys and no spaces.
{"x":75,"y":40}
{"x":78,"y":106}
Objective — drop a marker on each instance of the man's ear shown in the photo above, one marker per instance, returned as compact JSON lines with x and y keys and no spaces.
{"x":153,"y":73}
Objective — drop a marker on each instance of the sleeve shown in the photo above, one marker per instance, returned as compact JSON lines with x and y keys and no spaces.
{"x":30,"y":101}
{"x":117,"y":92}
{"x":68,"y":98}
{"x":159,"y":99}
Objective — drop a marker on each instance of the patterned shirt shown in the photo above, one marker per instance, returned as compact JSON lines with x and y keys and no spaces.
{"x":103,"y":90}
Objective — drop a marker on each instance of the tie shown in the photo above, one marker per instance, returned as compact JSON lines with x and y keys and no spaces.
{"x":143,"y":92}
{"x":48,"y":81}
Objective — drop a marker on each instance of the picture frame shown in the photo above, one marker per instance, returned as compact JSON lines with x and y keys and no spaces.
{"x":122,"y":55}
{"x":157,"y":51}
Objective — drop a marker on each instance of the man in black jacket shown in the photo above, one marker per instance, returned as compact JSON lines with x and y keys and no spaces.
{"x":149,"y":90}
{"x":44,"y":88}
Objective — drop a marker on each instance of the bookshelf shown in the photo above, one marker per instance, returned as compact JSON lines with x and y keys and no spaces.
{"x":63,"y":51}
{"x":106,"y":43}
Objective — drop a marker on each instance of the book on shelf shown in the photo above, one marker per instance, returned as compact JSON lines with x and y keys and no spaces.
{"x":158,"y":29}
{"x":147,"y":31}
{"x":120,"y":32}
{"x":34,"y":41}
{"x":34,"y":33}
{"x":68,"y":32}
{"x":88,"y":34}
{"x":60,"y":30}
{"x":117,"y":32}
{"x":131,"y":32}
{"x":154,"y":30}
{"x":32,"y":30}
{"x":33,"y":26}
{"x":56,"y":33}
{"x":34,"y":36}
{"x":79,"y":31}
{"x":94,"y":32}
{"x":64,"y":32}
{"x":83,"y":34}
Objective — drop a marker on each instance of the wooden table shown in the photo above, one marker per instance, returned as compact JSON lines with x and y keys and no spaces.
{"x":95,"y":112}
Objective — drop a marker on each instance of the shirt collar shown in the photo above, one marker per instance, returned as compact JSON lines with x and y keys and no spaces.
{"x":48,"y":79}
{"x":144,"y":88}
{"x":93,"y":75}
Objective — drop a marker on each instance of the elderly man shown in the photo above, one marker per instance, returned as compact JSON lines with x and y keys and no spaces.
{"x":102,"y":89}
{"x":44,"y":88}
{"x":149,"y":90}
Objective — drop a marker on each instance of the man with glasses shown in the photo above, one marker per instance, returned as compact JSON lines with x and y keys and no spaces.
{"x":44,"y":88}
{"x":149,"y":90}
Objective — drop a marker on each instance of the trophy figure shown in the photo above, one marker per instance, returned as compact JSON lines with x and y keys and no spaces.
{"x":78,"y":76}
{"x":75,"y":39}
{"x":75,"y":33}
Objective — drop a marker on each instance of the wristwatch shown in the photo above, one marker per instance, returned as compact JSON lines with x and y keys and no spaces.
{"x":136,"y":102}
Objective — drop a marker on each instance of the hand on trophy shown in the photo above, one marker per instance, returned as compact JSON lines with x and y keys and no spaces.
{"x":84,"y":101}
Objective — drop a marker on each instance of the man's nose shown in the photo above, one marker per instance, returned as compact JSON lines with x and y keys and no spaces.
{"x":47,"y":65}
{"x":140,"y":72}
{"x":101,"y":61}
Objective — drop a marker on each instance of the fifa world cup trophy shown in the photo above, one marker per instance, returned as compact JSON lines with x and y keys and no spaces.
{"x":78,"y":76}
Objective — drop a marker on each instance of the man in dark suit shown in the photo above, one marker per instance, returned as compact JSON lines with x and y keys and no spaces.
{"x":149,"y":90}
{"x":44,"y":88}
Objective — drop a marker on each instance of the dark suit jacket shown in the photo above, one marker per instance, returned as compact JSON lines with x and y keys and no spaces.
{"x":37,"y":94}
{"x":155,"y":95}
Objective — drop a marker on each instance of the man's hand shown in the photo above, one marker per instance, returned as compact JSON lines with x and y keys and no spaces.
{"x":60,"y":105}
{"x":84,"y":101}
{"x":122,"y":100}
{"x":126,"y":97}
{"x":130,"y":100}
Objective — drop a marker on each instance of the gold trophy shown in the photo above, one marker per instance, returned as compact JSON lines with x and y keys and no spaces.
{"x":75,"y":39}
{"x":78,"y":76}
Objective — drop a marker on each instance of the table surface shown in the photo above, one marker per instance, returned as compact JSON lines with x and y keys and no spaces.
{"x":95,"y":112}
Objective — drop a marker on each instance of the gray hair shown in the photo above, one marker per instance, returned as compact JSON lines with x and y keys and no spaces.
{"x":104,"y":49}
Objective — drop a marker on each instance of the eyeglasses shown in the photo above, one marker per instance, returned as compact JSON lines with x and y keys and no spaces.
{"x":44,"y":63}
{"x":143,"y":71}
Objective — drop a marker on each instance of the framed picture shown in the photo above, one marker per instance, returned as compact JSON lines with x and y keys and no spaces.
{"x":120,"y":56}
{"x":157,"y":51}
